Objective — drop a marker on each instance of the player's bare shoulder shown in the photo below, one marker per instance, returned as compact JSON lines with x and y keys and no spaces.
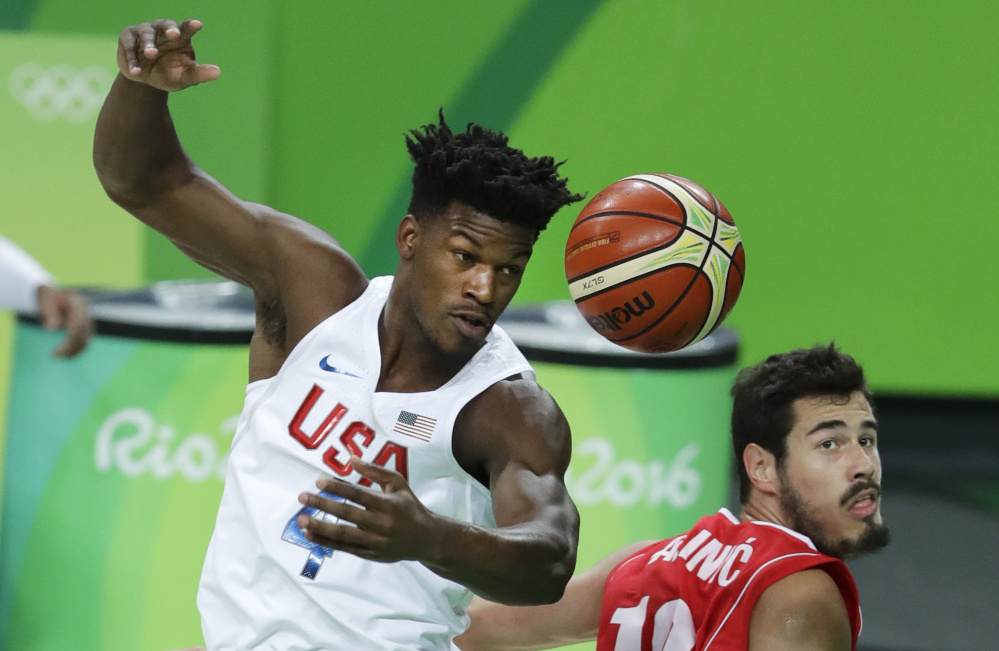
{"x":513,"y":417}
{"x":804,"y":610}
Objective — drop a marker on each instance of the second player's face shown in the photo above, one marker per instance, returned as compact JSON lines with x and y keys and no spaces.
{"x":468,"y":269}
{"x":831,"y":477}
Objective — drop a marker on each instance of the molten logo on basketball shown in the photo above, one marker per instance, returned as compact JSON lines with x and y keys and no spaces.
{"x":613,"y":319}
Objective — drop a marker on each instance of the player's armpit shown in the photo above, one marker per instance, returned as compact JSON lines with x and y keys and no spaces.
{"x":801,"y":612}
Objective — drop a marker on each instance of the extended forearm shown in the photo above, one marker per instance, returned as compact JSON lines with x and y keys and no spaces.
{"x":522,"y":564}
{"x":135,"y":144}
{"x":574,"y":618}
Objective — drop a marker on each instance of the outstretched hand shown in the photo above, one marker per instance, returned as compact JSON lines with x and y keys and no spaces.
{"x":160,"y":54}
{"x":392,"y":525}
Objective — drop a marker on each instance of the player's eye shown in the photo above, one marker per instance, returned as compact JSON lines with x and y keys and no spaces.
{"x":463,"y":256}
{"x":828,"y":444}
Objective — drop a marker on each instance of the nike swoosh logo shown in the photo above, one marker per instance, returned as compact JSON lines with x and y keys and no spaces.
{"x":323,"y":364}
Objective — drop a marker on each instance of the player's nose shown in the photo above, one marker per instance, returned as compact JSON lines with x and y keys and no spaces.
{"x":864,"y":462}
{"x":480,"y":284}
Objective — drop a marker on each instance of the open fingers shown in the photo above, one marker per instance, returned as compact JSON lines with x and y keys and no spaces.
{"x":137,"y":45}
{"x":348,"y":491}
{"x":348,"y":538}
{"x":366,"y":550}
{"x":190,"y":27}
{"x":201,"y":73}
{"x":337,"y":507}
{"x":389,"y":480}
{"x":140,"y":44}
{"x":373,"y":518}
{"x":163,"y":29}
{"x":127,"y":42}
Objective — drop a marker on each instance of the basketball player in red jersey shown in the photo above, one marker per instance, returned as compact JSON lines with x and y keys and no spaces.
{"x":805,"y":438}
{"x":467,"y":489}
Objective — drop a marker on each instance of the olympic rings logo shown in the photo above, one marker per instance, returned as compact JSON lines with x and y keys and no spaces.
{"x":61,"y":91}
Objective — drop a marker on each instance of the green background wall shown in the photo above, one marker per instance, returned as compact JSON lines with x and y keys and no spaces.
{"x":853,"y":143}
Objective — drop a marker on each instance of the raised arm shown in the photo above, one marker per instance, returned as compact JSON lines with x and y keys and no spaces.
{"x":516,"y":439}
{"x":290,"y":264}
{"x":573,"y":618}
{"x":144,"y":169}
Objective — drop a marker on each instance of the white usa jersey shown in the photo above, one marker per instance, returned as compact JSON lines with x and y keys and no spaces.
{"x":264,"y":586}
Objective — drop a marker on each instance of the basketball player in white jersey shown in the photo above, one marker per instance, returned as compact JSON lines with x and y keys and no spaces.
{"x":441,"y":460}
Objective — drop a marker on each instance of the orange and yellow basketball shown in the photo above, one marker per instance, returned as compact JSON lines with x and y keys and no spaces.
{"x":654,"y":262}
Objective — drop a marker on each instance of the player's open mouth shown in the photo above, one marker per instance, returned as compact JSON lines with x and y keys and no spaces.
{"x":865,"y":505}
{"x":471,"y":325}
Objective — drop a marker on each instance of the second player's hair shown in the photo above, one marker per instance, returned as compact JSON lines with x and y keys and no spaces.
{"x":478,"y":168}
{"x":763,"y":396}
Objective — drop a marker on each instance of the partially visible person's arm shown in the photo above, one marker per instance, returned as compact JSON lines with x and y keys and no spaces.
{"x":20,"y":278}
{"x":801,"y":612}
{"x":62,"y":309}
{"x":25,"y":286}
{"x":574,"y":618}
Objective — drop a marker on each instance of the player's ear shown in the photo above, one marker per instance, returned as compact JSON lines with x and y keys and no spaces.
{"x":761,"y":466}
{"x":407,"y":235}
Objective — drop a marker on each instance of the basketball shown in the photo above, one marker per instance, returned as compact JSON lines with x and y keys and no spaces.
{"x":654,"y":263}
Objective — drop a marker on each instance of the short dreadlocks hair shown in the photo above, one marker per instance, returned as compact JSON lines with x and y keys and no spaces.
{"x":762,"y":395}
{"x":479,"y":169}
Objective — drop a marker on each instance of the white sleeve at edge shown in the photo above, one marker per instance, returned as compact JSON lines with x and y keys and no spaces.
{"x":20,"y":277}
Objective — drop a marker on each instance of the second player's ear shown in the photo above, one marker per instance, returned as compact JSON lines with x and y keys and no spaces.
{"x":761,"y":466}
{"x":407,"y":235}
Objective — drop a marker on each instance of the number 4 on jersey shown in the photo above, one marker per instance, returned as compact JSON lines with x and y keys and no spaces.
{"x":293,"y":534}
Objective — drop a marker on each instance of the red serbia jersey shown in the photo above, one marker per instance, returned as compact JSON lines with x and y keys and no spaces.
{"x":697,"y":590}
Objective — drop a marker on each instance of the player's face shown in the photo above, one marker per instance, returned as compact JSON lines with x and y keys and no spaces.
{"x":468,"y":268}
{"x":831,"y":475}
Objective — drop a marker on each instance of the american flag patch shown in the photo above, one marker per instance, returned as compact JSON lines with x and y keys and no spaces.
{"x":415,"y":425}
